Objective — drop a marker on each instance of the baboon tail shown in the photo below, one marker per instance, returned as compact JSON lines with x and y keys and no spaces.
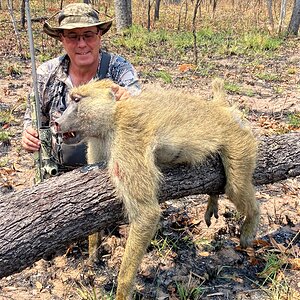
{"x":219,"y":91}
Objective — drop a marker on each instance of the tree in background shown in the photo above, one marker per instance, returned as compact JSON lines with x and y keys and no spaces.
{"x":295,"y":19}
{"x":123,"y":13}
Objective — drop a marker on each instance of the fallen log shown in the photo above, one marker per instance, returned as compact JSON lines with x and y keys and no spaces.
{"x":49,"y":216}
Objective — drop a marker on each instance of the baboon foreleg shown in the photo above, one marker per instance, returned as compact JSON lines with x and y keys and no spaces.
{"x":142,"y":229}
{"x":212,"y":209}
{"x":95,"y":154}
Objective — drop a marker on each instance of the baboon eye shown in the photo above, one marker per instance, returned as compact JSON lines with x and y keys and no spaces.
{"x":76,"y":97}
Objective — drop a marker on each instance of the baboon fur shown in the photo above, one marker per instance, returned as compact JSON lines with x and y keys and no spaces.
{"x":160,"y":127}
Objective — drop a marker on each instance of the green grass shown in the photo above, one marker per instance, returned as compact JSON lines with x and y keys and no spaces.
{"x":180,"y":45}
{"x":85,"y":293}
{"x":4,"y":136}
{"x":188,"y":291}
{"x":267,"y":76}
{"x":232,"y":87}
{"x":275,"y":283}
{"x":9,"y":69}
{"x":294,"y":120}
{"x":4,"y":162}
{"x":163,"y":245}
{"x":165,"y":76}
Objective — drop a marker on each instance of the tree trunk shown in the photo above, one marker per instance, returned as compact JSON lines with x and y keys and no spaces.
{"x":156,"y":10}
{"x":282,"y":15}
{"x":197,"y":5}
{"x":123,"y":14}
{"x":37,"y":221}
{"x":22,"y":12}
{"x":295,"y":19}
{"x":270,"y":14}
{"x":11,"y":12}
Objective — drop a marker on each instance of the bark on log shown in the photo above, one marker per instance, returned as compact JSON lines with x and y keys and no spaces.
{"x":49,"y":216}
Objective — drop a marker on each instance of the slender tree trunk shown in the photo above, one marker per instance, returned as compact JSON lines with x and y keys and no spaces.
{"x":23,"y":14}
{"x":282,"y":15}
{"x":149,"y":15}
{"x":123,"y":13}
{"x":214,"y":7}
{"x":293,"y":27}
{"x":11,"y":12}
{"x":270,"y":14}
{"x":156,"y":10}
{"x":197,"y":5}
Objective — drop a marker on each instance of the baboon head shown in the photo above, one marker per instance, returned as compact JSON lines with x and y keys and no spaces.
{"x":89,"y":113}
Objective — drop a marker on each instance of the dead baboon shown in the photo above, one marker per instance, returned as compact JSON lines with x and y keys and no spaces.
{"x":140,"y":134}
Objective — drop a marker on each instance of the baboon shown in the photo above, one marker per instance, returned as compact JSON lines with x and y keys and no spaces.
{"x":139,"y":135}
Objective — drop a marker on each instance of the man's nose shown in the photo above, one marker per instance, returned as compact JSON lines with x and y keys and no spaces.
{"x":81,"y":41}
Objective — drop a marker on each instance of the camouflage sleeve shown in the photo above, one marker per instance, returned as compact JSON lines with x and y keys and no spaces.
{"x":123,"y":73}
{"x":28,"y":118}
{"x":27,"y":115}
{"x":43,"y":73}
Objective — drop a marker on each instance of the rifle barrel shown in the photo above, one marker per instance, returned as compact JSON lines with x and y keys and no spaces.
{"x":33,"y":64}
{"x":35,"y":87}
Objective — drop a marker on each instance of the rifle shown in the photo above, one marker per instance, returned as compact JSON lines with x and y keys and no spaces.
{"x":45,"y":166}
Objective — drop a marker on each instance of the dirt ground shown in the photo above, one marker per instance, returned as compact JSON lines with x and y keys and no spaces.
{"x":186,"y":260}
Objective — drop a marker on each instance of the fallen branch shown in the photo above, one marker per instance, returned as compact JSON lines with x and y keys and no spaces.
{"x":49,"y":216}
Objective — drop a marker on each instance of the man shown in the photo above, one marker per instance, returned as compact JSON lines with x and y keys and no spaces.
{"x":79,"y":30}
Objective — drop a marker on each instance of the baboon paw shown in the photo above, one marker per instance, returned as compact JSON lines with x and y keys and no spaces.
{"x":246,"y":238}
{"x":210,"y":211}
{"x":248,"y":233}
{"x":245,"y":241}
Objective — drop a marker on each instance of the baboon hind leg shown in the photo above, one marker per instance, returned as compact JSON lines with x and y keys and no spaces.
{"x":212,"y":209}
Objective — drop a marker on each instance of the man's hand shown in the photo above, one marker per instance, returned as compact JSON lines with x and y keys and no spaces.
{"x":120,"y":92}
{"x":30,"y":140}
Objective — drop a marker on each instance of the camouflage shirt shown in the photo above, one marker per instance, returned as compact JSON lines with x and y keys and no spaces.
{"x":53,"y":87}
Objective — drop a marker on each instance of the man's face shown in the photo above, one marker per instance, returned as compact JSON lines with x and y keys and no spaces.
{"x":82,"y":45}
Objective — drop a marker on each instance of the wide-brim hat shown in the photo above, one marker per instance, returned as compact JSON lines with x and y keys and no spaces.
{"x":75,"y":15}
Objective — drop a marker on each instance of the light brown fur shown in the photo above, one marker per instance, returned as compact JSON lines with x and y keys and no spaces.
{"x":140,"y":134}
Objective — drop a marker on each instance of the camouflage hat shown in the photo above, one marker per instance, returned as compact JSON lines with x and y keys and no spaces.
{"x":75,"y":15}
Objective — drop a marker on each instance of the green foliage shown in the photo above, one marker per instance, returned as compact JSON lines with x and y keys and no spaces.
{"x":186,"y":292}
{"x":4,"y":136}
{"x":85,"y":293}
{"x":180,"y":44}
{"x":261,"y":41}
{"x":165,"y":76}
{"x":4,"y":162}
{"x":232,"y":87}
{"x":268,"y":76}
{"x":278,"y":287}
{"x":13,"y":70}
{"x":294,"y":120}
{"x":273,"y":265}
{"x":163,"y":245}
